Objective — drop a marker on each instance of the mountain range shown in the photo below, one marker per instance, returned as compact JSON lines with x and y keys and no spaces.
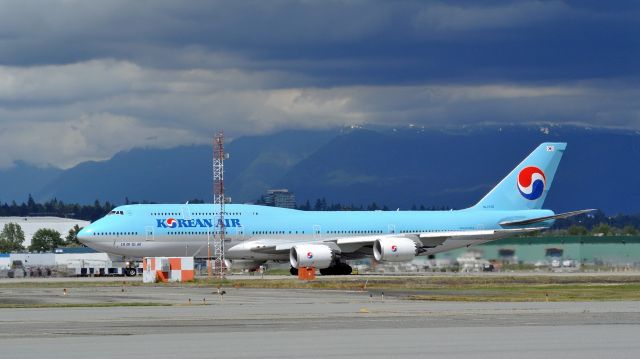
{"x":397,"y":167}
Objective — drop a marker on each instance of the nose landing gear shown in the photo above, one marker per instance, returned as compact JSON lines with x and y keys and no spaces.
{"x":130,"y":272}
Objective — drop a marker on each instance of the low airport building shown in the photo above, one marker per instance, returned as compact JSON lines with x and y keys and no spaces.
{"x":611,"y":250}
{"x":69,"y":257}
{"x":30,"y":225}
{"x":62,"y":262}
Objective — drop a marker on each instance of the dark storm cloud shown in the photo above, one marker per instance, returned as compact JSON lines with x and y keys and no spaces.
{"x":337,"y":42}
{"x":95,"y":77}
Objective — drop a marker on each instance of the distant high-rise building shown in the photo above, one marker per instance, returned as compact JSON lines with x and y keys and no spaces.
{"x":280,"y":198}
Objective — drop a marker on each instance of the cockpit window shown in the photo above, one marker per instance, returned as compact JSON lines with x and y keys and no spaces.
{"x":116,"y":212}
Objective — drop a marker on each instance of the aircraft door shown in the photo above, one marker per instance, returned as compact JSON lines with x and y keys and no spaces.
{"x":148,"y":233}
{"x":235,"y":231}
{"x":392,"y":228}
{"x":316,"y":231}
{"x":186,"y":212}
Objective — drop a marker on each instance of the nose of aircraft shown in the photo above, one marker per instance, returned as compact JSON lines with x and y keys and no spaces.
{"x":84,"y":234}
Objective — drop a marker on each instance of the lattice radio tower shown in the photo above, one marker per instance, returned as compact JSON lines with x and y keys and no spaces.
{"x":218,"y":203}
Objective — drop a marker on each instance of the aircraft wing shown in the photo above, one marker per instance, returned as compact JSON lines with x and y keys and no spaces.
{"x":274,"y":247}
{"x":526,"y":222}
{"x":427,"y":239}
{"x":434,"y":239}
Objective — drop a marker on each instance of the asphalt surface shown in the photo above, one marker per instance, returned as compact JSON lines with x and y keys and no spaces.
{"x":270,"y":323}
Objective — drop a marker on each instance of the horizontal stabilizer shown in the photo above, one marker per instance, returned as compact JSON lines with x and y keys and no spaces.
{"x":525,"y":222}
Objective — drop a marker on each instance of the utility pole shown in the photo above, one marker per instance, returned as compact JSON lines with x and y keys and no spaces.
{"x":219,"y":200}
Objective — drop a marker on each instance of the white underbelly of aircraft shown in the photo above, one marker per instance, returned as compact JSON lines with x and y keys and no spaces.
{"x":199,"y":247}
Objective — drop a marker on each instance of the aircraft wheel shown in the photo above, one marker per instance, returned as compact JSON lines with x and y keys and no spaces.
{"x":328,"y":271}
{"x":345,"y":269}
{"x":338,"y":269}
{"x":293,"y":271}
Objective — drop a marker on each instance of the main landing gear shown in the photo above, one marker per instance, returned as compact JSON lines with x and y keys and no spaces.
{"x":338,"y":268}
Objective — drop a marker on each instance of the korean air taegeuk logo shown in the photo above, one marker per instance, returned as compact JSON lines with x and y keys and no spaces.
{"x":531,"y":182}
{"x":171,"y":223}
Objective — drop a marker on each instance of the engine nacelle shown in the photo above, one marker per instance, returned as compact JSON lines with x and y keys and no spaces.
{"x":395,"y":249}
{"x":243,"y":264}
{"x":311,"y":255}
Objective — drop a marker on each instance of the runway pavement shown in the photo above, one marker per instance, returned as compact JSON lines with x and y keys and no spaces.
{"x":273,"y":323}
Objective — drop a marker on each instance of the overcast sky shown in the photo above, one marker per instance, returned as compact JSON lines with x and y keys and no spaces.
{"x":82,"y":80}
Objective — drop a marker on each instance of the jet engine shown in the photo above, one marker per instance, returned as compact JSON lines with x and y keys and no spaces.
{"x":394,"y":249}
{"x":242,"y":264}
{"x":311,"y":255}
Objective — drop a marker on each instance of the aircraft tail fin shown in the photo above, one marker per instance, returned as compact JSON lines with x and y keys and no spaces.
{"x":526,"y":187}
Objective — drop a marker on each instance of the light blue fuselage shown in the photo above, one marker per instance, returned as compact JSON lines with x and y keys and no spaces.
{"x":189,"y":229}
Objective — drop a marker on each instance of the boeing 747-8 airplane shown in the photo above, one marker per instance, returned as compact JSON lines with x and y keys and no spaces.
{"x":256,"y":234}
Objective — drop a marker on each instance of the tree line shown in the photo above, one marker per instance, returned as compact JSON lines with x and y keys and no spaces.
{"x":321,"y":204}
{"x":56,"y":208}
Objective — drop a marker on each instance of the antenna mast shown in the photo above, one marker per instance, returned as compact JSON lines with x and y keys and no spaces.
{"x":218,"y":202}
